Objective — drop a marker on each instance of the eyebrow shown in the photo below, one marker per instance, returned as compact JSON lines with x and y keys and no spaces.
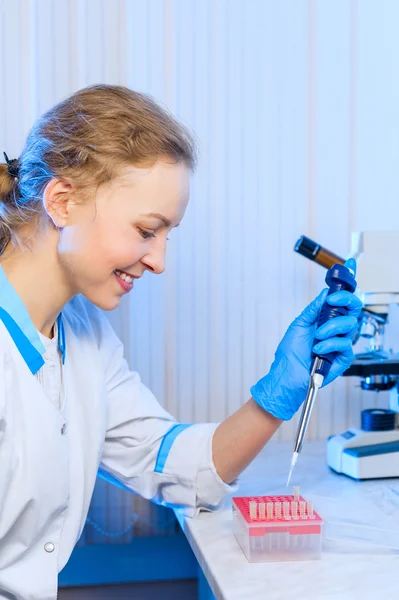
{"x":164,"y":220}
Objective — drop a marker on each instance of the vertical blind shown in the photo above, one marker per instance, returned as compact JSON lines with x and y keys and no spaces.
{"x":295,"y":105}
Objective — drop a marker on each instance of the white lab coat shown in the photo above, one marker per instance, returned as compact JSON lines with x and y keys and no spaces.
{"x":49,"y":456}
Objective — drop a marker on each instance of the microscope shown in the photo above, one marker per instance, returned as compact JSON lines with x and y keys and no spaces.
{"x":371,"y":451}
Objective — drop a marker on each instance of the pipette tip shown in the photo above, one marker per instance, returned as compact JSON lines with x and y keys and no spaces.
{"x":289,"y":478}
{"x":293,"y":463}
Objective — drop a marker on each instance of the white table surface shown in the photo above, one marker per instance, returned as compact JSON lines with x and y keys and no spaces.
{"x":344,"y":572}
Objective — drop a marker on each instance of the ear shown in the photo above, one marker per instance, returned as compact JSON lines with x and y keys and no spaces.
{"x":57,"y":198}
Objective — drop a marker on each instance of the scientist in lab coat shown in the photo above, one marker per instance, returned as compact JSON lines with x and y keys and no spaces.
{"x":84,"y":211}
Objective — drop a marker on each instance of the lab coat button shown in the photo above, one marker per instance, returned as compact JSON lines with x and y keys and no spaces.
{"x":63,"y":429}
{"x":49,"y":547}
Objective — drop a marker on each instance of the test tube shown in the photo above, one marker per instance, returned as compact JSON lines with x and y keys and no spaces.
{"x":294,"y":509}
{"x":253,"y":509}
{"x":262,"y":510}
{"x":286,"y":540}
{"x":310,"y":509}
{"x":302,"y":509}
{"x":269,"y":541}
{"x":296,"y":493}
{"x":286,"y":511}
{"x":314,"y":251}
{"x":278,"y":510}
{"x":269,"y":510}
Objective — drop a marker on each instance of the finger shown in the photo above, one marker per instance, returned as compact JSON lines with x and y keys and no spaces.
{"x":340,"y":365}
{"x":347,"y":299}
{"x":311,"y":313}
{"x":335,"y":344}
{"x":336,"y":326}
{"x":337,"y":372}
{"x":351,"y":264}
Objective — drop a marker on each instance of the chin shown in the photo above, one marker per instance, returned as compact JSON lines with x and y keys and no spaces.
{"x":108,"y":305}
{"x":105,"y":303}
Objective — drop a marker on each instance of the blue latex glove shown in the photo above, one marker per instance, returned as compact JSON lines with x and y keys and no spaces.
{"x":282,"y":391}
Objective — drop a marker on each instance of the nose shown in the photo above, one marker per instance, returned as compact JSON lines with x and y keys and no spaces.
{"x":154,"y":260}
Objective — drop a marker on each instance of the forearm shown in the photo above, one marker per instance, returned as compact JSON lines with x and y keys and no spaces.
{"x":238,"y":439}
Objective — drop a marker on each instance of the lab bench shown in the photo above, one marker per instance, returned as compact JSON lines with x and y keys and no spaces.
{"x":364,"y":572}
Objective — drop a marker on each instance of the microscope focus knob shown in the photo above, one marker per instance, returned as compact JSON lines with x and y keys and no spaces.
{"x":378,"y":419}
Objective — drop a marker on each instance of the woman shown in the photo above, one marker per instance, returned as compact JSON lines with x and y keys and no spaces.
{"x":84,"y":212}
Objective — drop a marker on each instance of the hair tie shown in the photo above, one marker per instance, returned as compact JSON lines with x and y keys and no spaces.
{"x":13,"y":167}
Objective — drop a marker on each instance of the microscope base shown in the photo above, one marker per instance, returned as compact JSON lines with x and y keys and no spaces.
{"x":364,"y":454}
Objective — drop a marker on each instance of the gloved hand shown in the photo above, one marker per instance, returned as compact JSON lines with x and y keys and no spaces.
{"x":282,"y":391}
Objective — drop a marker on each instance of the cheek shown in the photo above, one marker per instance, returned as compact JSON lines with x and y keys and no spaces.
{"x":83,"y":251}
{"x":121,"y":247}
{"x":95,"y":248}
{"x":79,"y":240}
{"x":125,"y":254}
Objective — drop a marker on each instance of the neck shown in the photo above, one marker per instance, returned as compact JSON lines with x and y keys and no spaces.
{"x":38,"y":278}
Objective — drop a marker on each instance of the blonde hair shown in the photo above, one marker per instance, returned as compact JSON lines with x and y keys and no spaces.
{"x":86,"y":140}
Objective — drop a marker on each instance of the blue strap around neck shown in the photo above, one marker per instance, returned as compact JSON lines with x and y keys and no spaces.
{"x":61,"y":337}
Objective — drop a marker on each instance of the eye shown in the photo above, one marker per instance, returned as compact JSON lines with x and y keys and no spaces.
{"x":145,"y":234}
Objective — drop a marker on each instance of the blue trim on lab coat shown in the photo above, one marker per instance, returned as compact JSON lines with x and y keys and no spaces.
{"x":31,"y":356}
{"x":13,"y":305}
{"x":166,"y":445}
{"x":20,"y":326}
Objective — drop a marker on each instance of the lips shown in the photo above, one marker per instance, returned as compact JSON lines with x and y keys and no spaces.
{"x":128,"y":277}
{"x":126,"y":282}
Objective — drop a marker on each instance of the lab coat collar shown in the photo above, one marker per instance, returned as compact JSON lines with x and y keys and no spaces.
{"x":17,"y":321}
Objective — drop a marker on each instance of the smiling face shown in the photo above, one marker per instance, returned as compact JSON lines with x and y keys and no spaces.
{"x":122,"y":229}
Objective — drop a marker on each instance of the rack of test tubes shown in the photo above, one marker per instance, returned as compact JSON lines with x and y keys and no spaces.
{"x":277,"y":528}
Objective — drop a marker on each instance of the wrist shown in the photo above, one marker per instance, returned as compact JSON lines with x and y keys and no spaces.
{"x":265,"y":415}
{"x":271,"y":394}
{"x":271,"y":406}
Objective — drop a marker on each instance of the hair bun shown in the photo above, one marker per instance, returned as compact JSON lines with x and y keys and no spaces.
{"x":12,"y":166}
{"x":8,"y":183}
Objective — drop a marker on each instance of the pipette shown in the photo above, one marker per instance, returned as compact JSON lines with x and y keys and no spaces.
{"x":338,"y":278}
